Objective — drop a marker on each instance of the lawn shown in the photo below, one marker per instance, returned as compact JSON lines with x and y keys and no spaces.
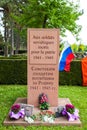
{"x":77,"y":95}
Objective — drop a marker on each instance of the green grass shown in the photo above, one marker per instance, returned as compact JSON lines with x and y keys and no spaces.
{"x":77,"y":95}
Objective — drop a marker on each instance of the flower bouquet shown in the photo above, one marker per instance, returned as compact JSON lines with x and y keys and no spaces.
{"x":43,"y":102}
{"x":47,"y":116}
{"x":70,"y":112}
{"x":16,"y":112}
{"x":43,"y":116}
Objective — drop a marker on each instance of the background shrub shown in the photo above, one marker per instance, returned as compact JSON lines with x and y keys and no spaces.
{"x":74,"y":77}
{"x":14,"y":71}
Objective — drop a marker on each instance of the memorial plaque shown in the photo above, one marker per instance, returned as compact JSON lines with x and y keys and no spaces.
{"x":43,"y":51}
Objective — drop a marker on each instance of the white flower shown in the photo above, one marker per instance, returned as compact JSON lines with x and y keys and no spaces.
{"x":29,"y":119}
{"x":45,"y":118}
{"x":50,"y":120}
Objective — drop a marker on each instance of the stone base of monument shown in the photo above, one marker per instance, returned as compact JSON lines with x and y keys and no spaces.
{"x":58,"y":121}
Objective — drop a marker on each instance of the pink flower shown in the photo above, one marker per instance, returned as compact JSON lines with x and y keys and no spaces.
{"x":15,"y":108}
{"x":43,"y":101}
{"x":69,"y":108}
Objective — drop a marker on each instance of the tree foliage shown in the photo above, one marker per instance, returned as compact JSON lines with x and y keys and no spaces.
{"x":49,"y":14}
{"x":22,"y":14}
{"x":81,"y":48}
{"x":74,"y":47}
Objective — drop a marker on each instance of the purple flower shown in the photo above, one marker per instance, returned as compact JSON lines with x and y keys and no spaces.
{"x":18,"y":115}
{"x":64,"y":112}
{"x":70,"y":116}
{"x":74,"y":116}
{"x":70,"y":112}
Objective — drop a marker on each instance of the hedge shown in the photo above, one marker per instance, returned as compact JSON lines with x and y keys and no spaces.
{"x":14,"y":71}
{"x":74,"y":76}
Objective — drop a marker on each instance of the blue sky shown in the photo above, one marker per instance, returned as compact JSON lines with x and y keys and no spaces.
{"x":83,"y":22}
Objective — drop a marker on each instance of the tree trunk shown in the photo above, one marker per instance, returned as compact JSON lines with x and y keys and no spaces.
{"x":12,"y":41}
{"x":44,"y":22}
{"x":17,"y":43}
{"x":6,"y":51}
{"x":6,"y":41}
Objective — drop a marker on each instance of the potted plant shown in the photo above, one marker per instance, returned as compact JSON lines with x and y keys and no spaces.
{"x":43,"y":102}
{"x":70,"y":112}
{"x":16,"y":112}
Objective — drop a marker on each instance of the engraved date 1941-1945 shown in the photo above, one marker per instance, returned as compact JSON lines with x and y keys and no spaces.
{"x":41,"y":57}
